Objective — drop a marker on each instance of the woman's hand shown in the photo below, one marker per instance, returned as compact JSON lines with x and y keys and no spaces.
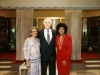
{"x":64,"y":63}
{"x":27,"y":64}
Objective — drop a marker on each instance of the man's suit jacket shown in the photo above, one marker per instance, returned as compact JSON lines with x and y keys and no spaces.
{"x":48,"y":51}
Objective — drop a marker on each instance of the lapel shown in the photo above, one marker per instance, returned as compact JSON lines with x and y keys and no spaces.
{"x":52,"y":36}
{"x":44,"y":36}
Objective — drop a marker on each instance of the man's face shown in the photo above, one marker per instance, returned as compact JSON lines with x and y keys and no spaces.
{"x":47,"y":23}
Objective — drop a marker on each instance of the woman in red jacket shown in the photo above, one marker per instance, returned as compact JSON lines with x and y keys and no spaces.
{"x":64,"y":49}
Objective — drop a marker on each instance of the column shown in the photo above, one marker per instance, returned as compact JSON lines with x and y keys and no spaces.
{"x":24,"y":21}
{"x":73,"y":19}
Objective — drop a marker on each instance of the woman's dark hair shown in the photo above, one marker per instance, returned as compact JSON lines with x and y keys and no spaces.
{"x":61,"y":25}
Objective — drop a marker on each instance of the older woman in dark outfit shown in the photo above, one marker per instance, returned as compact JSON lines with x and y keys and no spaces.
{"x":64,"y":49}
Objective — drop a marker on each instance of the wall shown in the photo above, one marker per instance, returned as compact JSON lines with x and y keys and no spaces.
{"x":7,"y":13}
{"x":90,"y":13}
{"x":49,"y":4}
{"x":49,"y":13}
{"x":61,"y":13}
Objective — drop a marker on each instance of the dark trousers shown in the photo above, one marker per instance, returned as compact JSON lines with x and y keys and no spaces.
{"x":52,"y":67}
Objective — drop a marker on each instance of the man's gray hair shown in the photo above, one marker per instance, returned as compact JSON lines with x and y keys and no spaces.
{"x":49,"y":19}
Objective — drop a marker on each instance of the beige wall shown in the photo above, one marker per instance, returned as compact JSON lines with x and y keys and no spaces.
{"x":37,"y":13}
{"x":50,"y":3}
{"x":90,"y":13}
{"x":61,"y":13}
{"x":49,"y":13}
{"x":7,"y":13}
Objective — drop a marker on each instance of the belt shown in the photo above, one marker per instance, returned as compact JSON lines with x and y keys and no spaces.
{"x":34,"y":60}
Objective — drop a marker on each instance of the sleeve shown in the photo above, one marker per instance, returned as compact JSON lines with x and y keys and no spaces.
{"x":69,"y":51}
{"x":26,"y":50}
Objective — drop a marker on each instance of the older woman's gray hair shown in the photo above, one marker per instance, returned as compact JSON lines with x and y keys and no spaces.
{"x":34,"y":27}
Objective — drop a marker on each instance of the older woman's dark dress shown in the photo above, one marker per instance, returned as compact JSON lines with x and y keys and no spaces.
{"x":64,"y":53}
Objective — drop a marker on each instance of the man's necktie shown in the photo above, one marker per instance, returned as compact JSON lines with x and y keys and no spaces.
{"x":48,"y":37}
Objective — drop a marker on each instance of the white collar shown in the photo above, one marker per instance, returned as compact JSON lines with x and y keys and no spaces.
{"x":46,"y":29}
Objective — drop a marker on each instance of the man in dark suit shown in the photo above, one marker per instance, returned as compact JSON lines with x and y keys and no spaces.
{"x":47,"y":48}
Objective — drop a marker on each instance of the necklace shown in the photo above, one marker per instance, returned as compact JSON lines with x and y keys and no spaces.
{"x":60,"y":41}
